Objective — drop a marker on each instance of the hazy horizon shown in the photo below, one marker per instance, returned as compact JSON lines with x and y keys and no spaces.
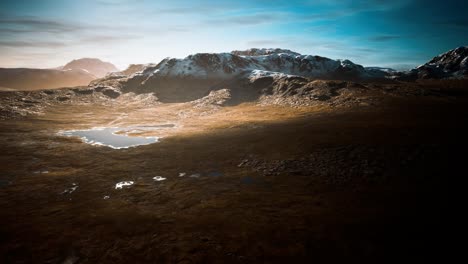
{"x":398,"y":34}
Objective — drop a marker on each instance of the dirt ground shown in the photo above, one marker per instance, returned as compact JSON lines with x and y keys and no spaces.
{"x":262,"y":184}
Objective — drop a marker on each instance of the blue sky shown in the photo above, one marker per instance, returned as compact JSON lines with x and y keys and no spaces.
{"x":398,"y":33}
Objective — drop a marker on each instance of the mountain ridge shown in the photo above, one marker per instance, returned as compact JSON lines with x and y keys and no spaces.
{"x":35,"y":79}
{"x":189,"y":78}
{"x":452,"y":64}
{"x":250,"y":72}
{"x":226,"y":65}
{"x":94,"y":66}
{"x":77,"y":72}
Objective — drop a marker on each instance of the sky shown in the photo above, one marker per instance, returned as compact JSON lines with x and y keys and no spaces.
{"x":398,"y":33}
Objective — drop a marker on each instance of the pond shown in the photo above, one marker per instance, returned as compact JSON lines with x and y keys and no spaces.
{"x":115,"y":137}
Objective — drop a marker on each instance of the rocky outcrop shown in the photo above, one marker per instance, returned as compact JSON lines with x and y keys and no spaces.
{"x":190,"y":78}
{"x":214,"y":98}
{"x":450,"y":65}
{"x":111,"y":92}
{"x":134,"y":68}
{"x":254,"y":73}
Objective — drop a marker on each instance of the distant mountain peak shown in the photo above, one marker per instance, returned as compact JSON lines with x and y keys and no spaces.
{"x":88,"y":59}
{"x":263,"y":51}
{"x":227,"y":65}
{"x":451,"y":60}
{"x":452,"y":64}
{"x":94,"y":66}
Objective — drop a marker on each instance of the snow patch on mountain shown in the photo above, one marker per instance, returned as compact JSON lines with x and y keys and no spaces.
{"x":453,"y":63}
{"x":449,"y":65}
{"x":204,"y":65}
{"x":228,"y":65}
{"x":261,"y":52}
{"x":257,"y":74}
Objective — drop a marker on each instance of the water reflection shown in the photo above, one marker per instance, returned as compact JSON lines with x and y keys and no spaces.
{"x":116,"y":137}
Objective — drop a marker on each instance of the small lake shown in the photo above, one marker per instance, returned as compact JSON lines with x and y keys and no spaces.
{"x":115,"y":137}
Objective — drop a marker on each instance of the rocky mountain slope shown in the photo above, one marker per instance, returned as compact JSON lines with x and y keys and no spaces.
{"x":227,"y":65}
{"x":263,"y":72}
{"x":133,"y":68}
{"x":273,"y":75}
{"x":94,"y":66}
{"x":210,"y":81}
{"x":450,"y":65}
{"x":190,"y":78}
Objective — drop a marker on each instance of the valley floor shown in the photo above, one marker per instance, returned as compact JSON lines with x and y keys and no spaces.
{"x":244,"y":184}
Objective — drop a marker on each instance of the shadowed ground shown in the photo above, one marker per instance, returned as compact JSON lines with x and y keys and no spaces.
{"x":263,"y":184}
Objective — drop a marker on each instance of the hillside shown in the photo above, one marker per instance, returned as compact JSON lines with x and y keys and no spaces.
{"x":452,"y":64}
{"x":36,"y":79}
{"x":75,"y":73}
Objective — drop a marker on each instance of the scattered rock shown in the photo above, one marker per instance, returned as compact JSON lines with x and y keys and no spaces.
{"x":243,"y":163}
{"x":159,"y":178}
{"x":71,"y":189}
{"x":63,"y":98}
{"x":83,"y":90}
{"x":49,"y":92}
{"x":337,"y":165}
{"x":120,"y":185}
{"x":111,"y":92}
{"x":214,"y":98}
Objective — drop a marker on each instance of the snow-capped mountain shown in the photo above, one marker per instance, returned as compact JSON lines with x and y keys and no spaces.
{"x":450,"y":65}
{"x":227,"y":65}
{"x":196,"y":75}
{"x":93,"y":66}
{"x":134,"y":68}
{"x":202,"y":72}
{"x":260,"y":52}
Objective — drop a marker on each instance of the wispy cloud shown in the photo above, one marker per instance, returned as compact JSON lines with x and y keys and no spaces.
{"x":329,"y":28}
{"x":454,"y":23}
{"x":363,"y":4}
{"x":265,"y":43}
{"x":190,"y":10}
{"x":352,"y":8}
{"x":34,"y":44}
{"x":117,"y":2}
{"x":383,"y":38}
{"x":35,"y":24}
{"x":108,"y":38}
{"x":245,"y":20}
{"x":15,"y":30}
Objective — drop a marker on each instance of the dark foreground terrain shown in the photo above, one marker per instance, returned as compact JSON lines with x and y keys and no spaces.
{"x":262,"y":184}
